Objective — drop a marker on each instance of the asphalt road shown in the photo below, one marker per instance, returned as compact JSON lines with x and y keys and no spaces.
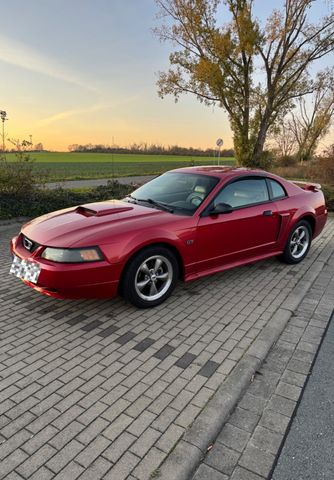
{"x":308,"y":450}
{"x":101,"y":181}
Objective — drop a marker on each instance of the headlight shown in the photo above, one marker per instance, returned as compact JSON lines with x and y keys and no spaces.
{"x":72,"y":255}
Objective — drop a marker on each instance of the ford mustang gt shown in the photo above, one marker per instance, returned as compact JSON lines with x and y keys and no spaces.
{"x":184,"y":224}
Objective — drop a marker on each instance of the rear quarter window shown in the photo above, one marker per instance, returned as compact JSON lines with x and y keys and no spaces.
{"x":277,"y":189}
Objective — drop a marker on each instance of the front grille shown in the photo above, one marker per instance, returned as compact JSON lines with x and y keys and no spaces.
{"x":28,"y":244}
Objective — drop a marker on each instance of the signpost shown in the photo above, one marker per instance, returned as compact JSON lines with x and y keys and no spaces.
{"x":219,"y":143}
{"x":3,"y":116}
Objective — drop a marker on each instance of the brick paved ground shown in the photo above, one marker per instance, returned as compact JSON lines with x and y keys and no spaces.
{"x":98,"y":389}
{"x":247,"y":446}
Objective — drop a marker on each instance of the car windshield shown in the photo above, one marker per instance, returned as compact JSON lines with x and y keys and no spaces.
{"x":175,"y":192}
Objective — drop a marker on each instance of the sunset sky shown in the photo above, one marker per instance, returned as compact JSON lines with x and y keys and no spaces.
{"x":84,"y":71}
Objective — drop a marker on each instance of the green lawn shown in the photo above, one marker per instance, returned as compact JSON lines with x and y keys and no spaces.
{"x":80,"y":166}
{"x":66,"y":157}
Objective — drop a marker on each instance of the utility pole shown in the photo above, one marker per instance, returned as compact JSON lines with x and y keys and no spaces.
{"x":3,"y":116}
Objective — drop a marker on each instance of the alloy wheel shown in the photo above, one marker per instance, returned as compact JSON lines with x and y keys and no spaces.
{"x":299,"y":242}
{"x":153,"y":278}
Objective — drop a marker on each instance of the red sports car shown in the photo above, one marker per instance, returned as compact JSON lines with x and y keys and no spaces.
{"x":186,"y":223}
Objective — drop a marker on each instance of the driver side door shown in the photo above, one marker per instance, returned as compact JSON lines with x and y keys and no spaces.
{"x":250,"y":229}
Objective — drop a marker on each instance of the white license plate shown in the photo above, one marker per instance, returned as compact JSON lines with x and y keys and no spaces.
{"x":25,"y":269}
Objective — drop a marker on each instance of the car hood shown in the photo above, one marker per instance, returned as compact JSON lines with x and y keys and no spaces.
{"x":90,"y":224}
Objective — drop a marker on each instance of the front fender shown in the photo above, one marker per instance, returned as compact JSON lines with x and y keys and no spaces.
{"x":142,"y":240}
{"x":121,"y":251}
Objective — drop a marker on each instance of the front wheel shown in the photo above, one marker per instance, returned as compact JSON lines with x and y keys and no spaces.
{"x":298,"y":243}
{"x":150,"y":277}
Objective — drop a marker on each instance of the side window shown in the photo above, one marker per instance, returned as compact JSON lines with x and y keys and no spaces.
{"x":277,"y":189}
{"x":244,"y":192}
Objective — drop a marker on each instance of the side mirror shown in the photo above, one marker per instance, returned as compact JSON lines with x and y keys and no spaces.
{"x":221,"y":208}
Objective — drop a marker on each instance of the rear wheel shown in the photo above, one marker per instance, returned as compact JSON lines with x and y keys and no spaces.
{"x":150,"y":277}
{"x":298,"y":243}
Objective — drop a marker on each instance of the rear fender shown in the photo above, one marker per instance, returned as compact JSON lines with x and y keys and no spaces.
{"x":296,"y":217}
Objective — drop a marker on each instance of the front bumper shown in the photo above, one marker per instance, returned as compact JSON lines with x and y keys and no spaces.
{"x":71,"y":280}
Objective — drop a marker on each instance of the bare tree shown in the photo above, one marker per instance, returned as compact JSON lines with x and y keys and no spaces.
{"x":300,"y":132}
{"x":283,"y":141}
{"x":311,"y":122}
{"x":39,"y":147}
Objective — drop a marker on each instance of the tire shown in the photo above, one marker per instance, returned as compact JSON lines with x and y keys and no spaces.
{"x":298,"y":243}
{"x":150,"y":277}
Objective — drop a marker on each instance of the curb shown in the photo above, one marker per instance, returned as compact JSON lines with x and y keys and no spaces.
{"x":13,"y":221}
{"x":182,"y":462}
{"x":82,"y":183}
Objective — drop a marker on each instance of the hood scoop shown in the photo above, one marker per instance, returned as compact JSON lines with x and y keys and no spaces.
{"x":100,"y":209}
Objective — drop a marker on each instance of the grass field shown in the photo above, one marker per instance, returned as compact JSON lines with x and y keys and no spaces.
{"x":80,"y":166}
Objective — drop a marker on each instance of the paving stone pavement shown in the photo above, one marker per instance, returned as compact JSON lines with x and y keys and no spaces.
{"x":248,"y":444}
{"x":97,"y":389}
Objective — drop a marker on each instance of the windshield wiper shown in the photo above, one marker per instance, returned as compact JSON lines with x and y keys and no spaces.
{"x":161,"y":205}
{"x":134,"y":200}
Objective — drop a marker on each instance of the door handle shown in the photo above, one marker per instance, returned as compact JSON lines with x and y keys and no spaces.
{"x":267,"y":213}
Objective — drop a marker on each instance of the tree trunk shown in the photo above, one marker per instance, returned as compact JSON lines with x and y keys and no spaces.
{"x":258,"y":159}
{"x":242,"y":148}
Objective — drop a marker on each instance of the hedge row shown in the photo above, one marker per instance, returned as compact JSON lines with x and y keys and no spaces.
{"x":329,"y":195}
{"x":40,"y":201}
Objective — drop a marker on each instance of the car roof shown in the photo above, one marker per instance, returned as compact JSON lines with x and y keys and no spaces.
{"x":221,"y":171}
{"x":227,"y":172}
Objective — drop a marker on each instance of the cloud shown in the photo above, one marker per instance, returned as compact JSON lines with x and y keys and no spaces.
{"x":21,"y":55}
{"x":70,"y":113}
{"x":105,"y":105}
